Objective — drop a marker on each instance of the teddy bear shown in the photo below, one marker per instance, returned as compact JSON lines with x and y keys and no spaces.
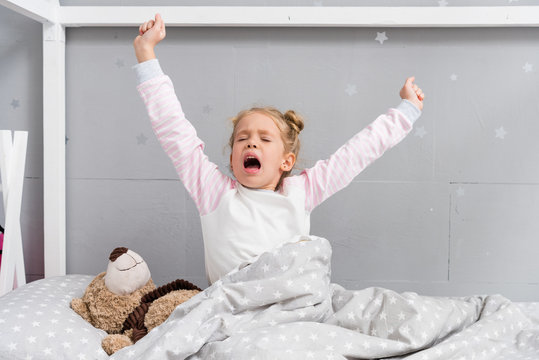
{"x":125,"y":302}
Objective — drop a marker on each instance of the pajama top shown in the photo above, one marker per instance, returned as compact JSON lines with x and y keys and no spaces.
{"x":239,"y":223}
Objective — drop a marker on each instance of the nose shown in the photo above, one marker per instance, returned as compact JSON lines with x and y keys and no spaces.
{"x":251,"y":146}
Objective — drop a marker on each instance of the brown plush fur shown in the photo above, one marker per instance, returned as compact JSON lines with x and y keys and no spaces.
{"x":104,"y":309}
{"x":114,"y":342}
{"x":108,"y":311}
{"x":161,"y":308}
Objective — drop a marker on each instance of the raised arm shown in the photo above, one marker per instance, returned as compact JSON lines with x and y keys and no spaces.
{"x":327,"y":177}
{"x":202,"y":178}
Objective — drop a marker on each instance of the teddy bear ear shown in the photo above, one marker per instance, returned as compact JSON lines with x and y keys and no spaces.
{"x":116,"y":253}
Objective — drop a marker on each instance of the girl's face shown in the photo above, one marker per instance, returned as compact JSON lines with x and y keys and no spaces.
{"x":258,"y":156}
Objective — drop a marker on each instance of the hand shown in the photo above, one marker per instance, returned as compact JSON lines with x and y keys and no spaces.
{"x":412,"y":93}
{"x":150,"y":34}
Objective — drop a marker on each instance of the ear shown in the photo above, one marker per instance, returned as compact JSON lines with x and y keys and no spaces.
{"x":231,"y":162}
{"x":288,"y":162}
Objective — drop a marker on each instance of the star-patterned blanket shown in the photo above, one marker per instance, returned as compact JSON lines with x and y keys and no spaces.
{"x":281,"y":306}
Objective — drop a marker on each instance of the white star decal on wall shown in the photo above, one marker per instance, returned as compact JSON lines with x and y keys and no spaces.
{"x":381,"y":37}
{"x":442,"y":3}
{"x":453,"y":77}
{"x":420,"y":131}
{"x":500,"y":132}
{"x":351,"y":89}
{"x":527,"y":67}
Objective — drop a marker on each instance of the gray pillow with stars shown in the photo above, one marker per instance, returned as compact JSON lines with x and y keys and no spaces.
{"x":36,"y":322}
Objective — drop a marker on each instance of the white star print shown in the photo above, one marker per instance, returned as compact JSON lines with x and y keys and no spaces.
{"x":351,"y":89}
{"x":381,"y":37}
{"x":500,"y":132}
{"x":527,"y":67}
{"x":453,"y":77}
{"x":420,"y":132}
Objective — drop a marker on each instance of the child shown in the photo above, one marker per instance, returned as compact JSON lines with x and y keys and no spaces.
{"x":263,"y":207}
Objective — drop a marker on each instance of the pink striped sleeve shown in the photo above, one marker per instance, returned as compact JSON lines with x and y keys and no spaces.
{"x":327,"y":177}
{"x":202,"y":178}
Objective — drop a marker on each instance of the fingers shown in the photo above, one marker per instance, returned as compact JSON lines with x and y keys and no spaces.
{"x":159,"y":21}
{"x":410,"y":83}
{"x":146,"y":26}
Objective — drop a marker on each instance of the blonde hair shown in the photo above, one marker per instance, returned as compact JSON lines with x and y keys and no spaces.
{"x":290,"y":124}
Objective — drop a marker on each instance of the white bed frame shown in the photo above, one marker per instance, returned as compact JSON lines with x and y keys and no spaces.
{"x":56,"y":18}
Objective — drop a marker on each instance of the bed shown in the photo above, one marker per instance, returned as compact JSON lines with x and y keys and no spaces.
{"x":282,"y":305}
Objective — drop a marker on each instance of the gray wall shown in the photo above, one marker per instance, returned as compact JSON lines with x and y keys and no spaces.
{"x":449,"y":211}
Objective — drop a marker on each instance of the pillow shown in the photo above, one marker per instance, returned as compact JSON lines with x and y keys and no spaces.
{"x":36,"y":322}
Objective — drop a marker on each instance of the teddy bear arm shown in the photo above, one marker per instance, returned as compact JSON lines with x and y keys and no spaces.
{"x":80,"y":307}
{"x":115,"y":342}
{"x":161,"y":308}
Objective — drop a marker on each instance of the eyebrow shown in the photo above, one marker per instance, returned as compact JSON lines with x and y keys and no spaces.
{"x":263,"y":132}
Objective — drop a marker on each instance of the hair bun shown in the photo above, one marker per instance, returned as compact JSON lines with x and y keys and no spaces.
{"x":294,"y":120}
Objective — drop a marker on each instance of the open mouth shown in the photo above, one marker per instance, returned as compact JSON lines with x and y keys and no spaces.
{"x":251,"y":164}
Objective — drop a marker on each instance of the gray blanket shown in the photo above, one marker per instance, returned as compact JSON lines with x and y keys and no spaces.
{"x":283,"y":306}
